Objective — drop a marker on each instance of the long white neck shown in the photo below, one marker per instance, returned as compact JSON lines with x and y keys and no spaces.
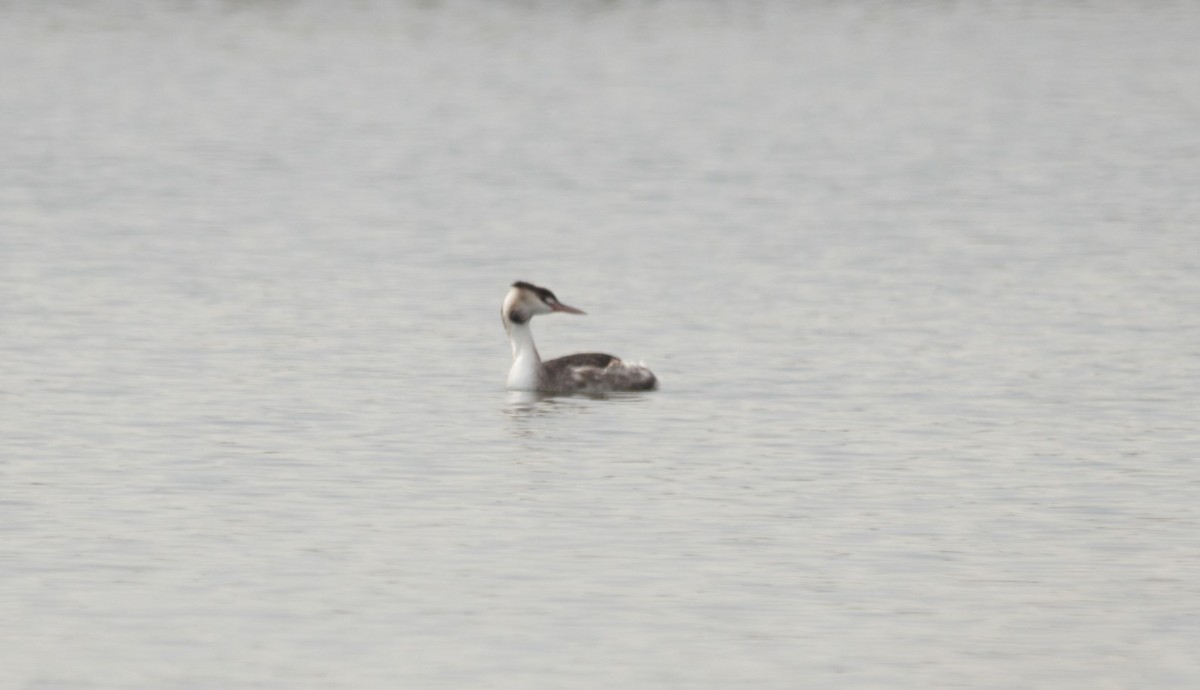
{"x":527,"y":365}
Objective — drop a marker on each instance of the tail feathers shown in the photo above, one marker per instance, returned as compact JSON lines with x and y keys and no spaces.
{"x":634,"y":376}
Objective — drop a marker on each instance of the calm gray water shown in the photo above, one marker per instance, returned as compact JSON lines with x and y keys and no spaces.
{"x":921,"y":282}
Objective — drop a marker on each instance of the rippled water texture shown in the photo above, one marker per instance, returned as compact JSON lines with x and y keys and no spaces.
{"x":921,"y":282}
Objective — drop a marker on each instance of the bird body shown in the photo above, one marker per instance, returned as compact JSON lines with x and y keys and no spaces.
{"x":590,"y":372}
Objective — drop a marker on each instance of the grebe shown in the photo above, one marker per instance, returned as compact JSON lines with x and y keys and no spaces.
{"x":589,"y":372}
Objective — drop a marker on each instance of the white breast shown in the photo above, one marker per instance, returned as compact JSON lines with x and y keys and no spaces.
{"x":523,"y":376}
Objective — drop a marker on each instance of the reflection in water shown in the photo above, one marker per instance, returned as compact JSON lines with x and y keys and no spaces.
{"x":523,"y":407}
{"x":521,"y":403}
{"x":525,"y":402}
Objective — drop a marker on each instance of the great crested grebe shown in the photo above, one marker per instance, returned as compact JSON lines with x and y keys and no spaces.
{"x":589,"y":372}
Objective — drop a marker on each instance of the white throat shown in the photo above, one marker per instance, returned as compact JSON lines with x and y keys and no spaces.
{"x":527,"y":365}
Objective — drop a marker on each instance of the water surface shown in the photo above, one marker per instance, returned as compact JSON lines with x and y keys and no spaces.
{"x":920,"y":283}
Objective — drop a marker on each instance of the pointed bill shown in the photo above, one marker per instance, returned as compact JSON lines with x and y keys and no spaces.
{"x":559,"y":306}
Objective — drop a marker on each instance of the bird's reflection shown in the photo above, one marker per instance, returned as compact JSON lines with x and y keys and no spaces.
{"x":525,"y":402}
{"x":527,"y":409}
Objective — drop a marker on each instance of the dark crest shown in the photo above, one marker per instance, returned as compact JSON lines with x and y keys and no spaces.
{"x":544,"y":294}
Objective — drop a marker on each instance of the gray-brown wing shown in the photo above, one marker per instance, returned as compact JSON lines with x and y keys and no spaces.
{"x":558,"y":365}
{"x":594,"y":372}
